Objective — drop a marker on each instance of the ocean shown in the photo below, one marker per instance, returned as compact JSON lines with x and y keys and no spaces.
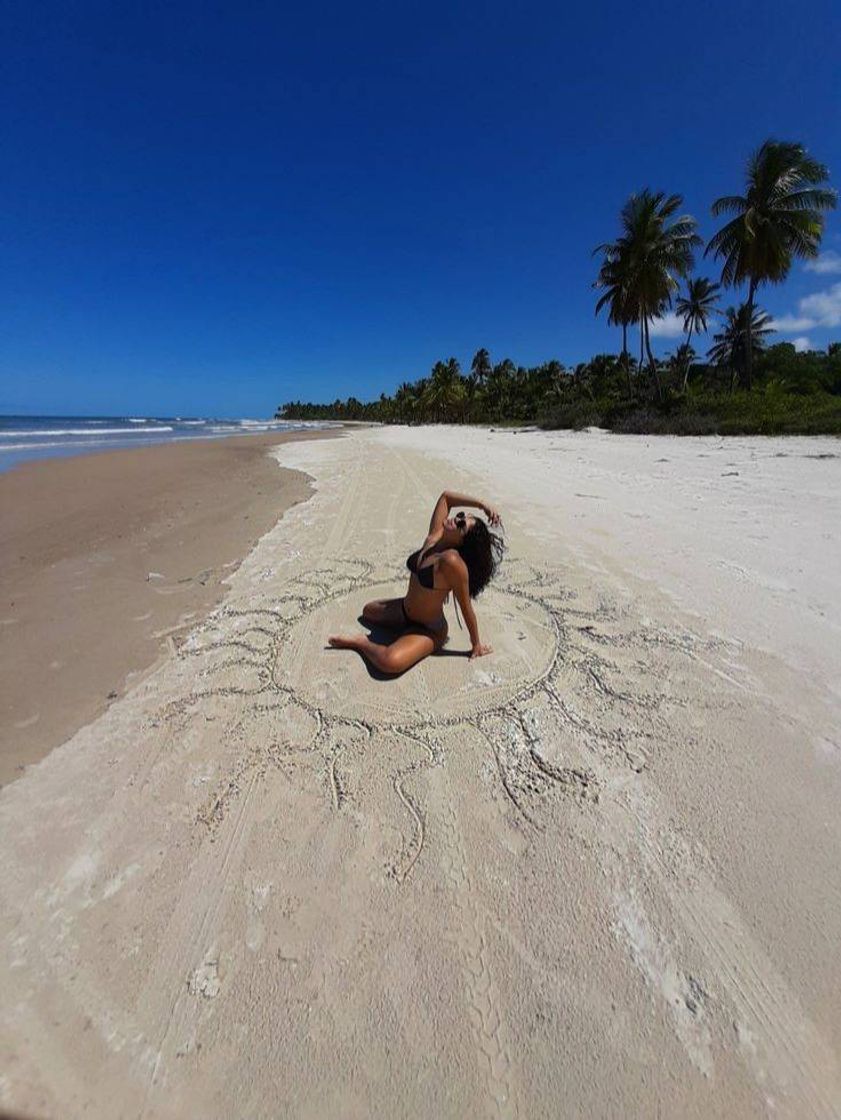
{"x":23,"y":438}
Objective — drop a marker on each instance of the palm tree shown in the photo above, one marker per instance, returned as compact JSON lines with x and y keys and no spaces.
{"x":732,"y":345}
{"x":435,"y":393}
{"x":455,"y":387}
{"x":553,"y":377}
{"x":653,"y":253}
{"x":469,"y":390}
{"x":498,"y":388}
{"x":480,"y":367}
{"x":679,"y":362}
{"x":695,"y":308}
{"x":779,"y":218}
{"x":420,"y":403}
{"x":613,"y":279}
{"x":404,"y":400}
{"x":444,"y":391}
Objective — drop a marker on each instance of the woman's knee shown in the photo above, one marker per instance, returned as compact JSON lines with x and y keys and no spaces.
{"x":392,"y":660}
{"x":373,"y":609}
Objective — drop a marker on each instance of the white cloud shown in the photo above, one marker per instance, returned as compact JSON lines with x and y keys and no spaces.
{"x":826,"y":263}
{"x":791,"y":323}
{"x":802,"y":343}
{"x":821,"y":309}
{"x":824,"y":307}
{"x":670,"y":326}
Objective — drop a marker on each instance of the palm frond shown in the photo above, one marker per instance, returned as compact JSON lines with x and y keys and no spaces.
{"x":727,"y":238}
{"x":801,"y":242}
{"x":603,"y":301}
{"x":729,"y":204}
{"x":779,"y":218}
{"x":809,"y":198}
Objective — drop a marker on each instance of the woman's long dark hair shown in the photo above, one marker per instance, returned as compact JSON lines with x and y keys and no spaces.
{"x":481,"y":550}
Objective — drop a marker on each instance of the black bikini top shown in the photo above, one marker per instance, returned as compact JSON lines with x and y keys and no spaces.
{"x":426,"y":576}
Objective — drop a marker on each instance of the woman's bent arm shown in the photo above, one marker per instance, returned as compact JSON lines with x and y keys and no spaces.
{"x":454,"y":499}
{"x":450,"y":498}
{"x":439,"y":515}
{"x":475,"y":503}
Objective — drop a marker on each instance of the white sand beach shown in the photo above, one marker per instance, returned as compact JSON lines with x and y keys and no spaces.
{"x":595,"y":874}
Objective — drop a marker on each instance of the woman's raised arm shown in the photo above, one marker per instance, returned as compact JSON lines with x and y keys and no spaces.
{"x":449,"y":499}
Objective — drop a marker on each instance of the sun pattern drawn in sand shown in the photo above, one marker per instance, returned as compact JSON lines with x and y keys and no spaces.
{"x":255,"y":656}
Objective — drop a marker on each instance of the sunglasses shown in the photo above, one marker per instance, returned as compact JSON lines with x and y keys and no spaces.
{"x":461,"y":521}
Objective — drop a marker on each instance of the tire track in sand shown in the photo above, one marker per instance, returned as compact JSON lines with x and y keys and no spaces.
{"x":187,"y":943}
{"x":776,"y":1038}
{"x":468,"y":936}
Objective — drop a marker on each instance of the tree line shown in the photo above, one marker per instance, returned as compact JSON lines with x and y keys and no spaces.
{"x":743,"y":385}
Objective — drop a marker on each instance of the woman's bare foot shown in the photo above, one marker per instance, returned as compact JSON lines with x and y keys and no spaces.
{"x":338,"y":642}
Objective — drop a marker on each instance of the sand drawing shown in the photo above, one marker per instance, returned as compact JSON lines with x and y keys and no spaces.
{"x":517,"y":715}
{"x":510,"y":712}
{"x":543,"y":742}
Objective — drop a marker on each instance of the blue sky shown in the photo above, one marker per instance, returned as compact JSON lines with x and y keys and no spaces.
{"x":212,"y":208}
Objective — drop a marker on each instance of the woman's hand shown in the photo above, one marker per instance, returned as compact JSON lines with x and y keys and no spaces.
{"x":479,"y":650}
{"x":492,"y":515}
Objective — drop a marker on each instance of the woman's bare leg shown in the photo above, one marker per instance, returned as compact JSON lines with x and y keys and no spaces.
{"x":402,"y":654}
{"x":385,"y":612}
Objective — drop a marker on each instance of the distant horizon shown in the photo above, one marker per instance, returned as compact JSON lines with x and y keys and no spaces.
{"x":229,"y":212}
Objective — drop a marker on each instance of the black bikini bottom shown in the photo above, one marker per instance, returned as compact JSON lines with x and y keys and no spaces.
{"x":421,"y":625}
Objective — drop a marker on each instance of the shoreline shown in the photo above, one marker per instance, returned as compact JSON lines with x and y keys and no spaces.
{"x":106,"y":556}
{"x":87,"y":436}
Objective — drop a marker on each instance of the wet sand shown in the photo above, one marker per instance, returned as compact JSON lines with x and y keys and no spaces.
{"x":107,"y":557}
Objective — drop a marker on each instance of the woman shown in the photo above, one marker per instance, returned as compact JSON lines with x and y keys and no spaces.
{"x":460,"y":555}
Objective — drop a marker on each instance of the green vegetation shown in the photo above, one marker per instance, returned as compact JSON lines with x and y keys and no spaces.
{"x":791,"y":393}
{"x":744,"y":387}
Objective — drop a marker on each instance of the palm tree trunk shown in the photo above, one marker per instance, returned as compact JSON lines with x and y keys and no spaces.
{"x":686,"y":371}
{"x":651,"y":361}
{"x":625,"y":356}
{"x":749,"y":336}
